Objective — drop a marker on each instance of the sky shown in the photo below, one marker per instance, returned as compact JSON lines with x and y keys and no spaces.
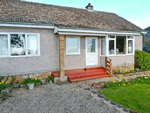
{"x":135,"y":11}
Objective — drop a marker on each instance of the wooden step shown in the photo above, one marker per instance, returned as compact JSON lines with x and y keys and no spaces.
{"x":93,"y":68}
{"x":88,"y":78}
{"x":84,"y":72}
{"x":88,"y":75}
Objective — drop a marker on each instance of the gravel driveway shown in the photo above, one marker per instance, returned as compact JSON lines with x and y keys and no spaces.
{"x":52,"y":98}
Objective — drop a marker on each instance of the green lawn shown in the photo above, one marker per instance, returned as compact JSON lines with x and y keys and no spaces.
{"x":135,"y":97}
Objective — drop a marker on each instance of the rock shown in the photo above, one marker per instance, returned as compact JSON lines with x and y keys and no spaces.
{"x":87,"y":89}
{"x":101,"y":96}
{"x":127,"y":109}
{"x":99,"y":85}
{"x":120,"y":106}
{"x":23,"y":86}
{"x":6,"y":91}
{"x":106,"y":99}
{"x":93,"y":92}
{"x":43,"y":82}
{"x":16,"y":85}
{"x":113,"y":103}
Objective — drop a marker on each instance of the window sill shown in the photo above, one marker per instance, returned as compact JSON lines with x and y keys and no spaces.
{"x":72,"y":53}
{"x":18,"y":56}
{"x":119,"y":55}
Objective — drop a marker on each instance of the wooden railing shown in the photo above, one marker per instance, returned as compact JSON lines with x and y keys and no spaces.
{"x":108,"y":65}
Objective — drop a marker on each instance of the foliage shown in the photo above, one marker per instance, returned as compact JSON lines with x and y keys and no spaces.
{"x":4,"y":83}
{"x":12,"y":81}
{"x":142,"y":60}
{"x":125,"y":82}
{"x":48,"y":79}
{"x":118,"y":71}
{"x":31,"y":80}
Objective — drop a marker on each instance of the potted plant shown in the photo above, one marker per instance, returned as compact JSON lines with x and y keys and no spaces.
{"x":31,"y":81}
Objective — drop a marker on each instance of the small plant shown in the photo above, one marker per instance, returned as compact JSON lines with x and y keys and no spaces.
{"x":31,"y":80}
{"x":48,"y":79}
{"x":125,"y":82}
{"x":4,"y":84}
{"x":12,"y":81}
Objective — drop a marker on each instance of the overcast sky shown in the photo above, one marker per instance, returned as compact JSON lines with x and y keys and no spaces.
{"x":136,"y":11}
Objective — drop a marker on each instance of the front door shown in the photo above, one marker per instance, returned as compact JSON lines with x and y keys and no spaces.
{"x":91,"y":51}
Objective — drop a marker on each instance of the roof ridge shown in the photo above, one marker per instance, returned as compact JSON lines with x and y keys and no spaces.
{"x":62,"y":6}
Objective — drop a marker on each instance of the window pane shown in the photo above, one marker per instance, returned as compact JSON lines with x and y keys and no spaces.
{"x":3,"y":45}
{"x":103,"y":47}
{"x":130,"y":46}
{"x":17,"y":44}
{"x":32,"y":44}
{"x":130,"y":37}
{"x":73,"y":45}
{"x":111,"y":47}
{"x":91,"y":45}
{"x":111,"y":36}
{"x":120,"y":45}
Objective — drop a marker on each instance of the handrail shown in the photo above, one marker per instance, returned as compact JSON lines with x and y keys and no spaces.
{"x":108,"y":65}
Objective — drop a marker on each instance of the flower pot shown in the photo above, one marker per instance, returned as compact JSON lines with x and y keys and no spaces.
{"x":30,"y":86}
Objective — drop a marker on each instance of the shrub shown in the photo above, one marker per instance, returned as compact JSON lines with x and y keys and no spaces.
{"x":48,"y":79}
{"x":142,"y":60}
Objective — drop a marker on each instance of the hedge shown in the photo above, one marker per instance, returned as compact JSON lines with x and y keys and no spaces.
{"x":142,"y":60}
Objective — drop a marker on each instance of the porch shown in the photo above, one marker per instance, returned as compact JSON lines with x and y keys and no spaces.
{"x":77,"y":75}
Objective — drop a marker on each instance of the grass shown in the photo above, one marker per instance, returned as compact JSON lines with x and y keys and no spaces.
{"x":135,"y":97}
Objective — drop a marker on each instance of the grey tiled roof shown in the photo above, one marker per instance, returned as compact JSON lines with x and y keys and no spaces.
{"x":29,"y":12}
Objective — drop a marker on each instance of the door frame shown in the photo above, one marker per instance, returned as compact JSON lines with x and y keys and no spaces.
{"x":96,"y":51}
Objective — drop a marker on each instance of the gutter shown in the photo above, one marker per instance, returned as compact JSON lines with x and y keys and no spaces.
{"x":72,"y":31}
{"x":27,"y":25}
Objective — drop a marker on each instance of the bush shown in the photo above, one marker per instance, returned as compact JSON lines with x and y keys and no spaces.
{"x":48,"y":79}
{"x":142,"y":60}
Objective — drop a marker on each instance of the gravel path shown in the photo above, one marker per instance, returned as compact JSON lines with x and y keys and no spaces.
{"x":52,"y":98}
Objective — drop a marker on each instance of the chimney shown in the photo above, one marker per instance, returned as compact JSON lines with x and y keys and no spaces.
{"x":89,"y":7}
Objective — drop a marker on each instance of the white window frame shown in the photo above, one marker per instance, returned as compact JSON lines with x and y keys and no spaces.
{"x":101,"y":46}
{"x":26,"y":55}
{"x":74,"y":53}
{"x":107,"y":45}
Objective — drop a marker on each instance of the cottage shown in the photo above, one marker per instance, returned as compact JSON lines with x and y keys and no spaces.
{"x":39,"y":38}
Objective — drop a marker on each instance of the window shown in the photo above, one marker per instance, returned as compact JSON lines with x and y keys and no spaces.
{"x":119,"y":45}
{"x":103,"y":45}
{"x":4,"y":45}
{"x":32,"y":44}
{"x":111,"y":45}
{"x":19,"y":44}
{"x":72,"y":45}
{"x":91,"y":45}
{"x":130,"y":44}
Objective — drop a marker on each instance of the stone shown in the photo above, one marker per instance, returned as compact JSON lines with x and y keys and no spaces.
{"x":94,"y":92}
{"x":120,"y":106}
{"x":99,"y":85}
{"x":87,"y":89}
{"x":113,"y":103}
{"x":127,"y":109}
{"x":101,"y":96}
{"x":43,"y":82}
{"x":16,"y":85}
{"x":6,"y":91}
{"x":23,"y":86}
{"x":106,"y":99}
